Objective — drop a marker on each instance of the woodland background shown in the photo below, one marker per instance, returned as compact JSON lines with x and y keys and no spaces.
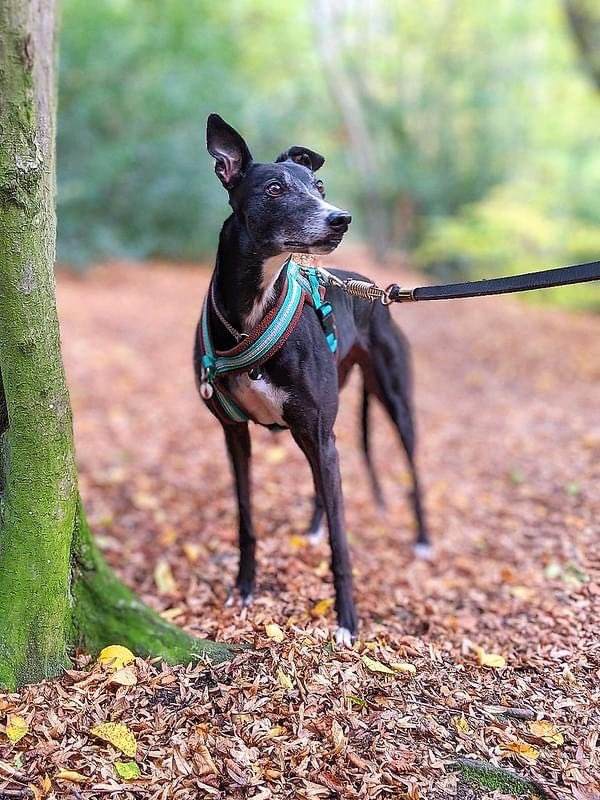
{"x":464,"y":133}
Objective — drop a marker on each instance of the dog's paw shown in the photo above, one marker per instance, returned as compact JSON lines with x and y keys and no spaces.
{"x":244,"y":600}
{"x":423,"y":551}
{"x":316,"y":537}
{"x":343,"y":637}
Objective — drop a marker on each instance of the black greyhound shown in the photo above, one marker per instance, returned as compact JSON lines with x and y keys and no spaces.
{"x":280,"y":208}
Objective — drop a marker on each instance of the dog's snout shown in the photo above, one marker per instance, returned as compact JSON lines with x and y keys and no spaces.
{"x":339,"y":219}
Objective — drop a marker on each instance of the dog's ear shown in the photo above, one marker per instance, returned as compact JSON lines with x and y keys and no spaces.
{"x":230,"y":151}
{"x":302,"y":155}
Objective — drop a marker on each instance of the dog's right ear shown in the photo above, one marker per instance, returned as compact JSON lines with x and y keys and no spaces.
{"x":230,"y":151}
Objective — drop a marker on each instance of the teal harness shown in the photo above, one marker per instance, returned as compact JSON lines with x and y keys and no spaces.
{"x":301,"y":284}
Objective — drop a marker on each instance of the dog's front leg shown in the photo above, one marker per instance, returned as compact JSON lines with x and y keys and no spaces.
{"x":237,"y":438}
{"x":319,"y":447}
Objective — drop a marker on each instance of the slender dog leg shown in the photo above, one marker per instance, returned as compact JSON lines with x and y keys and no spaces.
{"x":238,"y":447}
{"x":323,"y":458}
{"x":390,"y":362}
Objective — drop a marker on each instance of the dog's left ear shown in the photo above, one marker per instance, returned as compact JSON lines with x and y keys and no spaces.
{"x":302,"y":155}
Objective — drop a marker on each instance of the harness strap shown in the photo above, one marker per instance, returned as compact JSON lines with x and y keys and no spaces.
{"x":301,"y":284}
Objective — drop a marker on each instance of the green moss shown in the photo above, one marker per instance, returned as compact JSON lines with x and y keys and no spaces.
{"x":106,"y":612}
{"x":481,"y":775}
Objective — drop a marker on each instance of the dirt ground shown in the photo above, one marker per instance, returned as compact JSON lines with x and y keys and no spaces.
{"x":507,"y":398}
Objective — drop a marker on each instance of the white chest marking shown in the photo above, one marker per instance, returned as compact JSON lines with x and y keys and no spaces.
{"x":261,"y":399}
{"x":270,"y":272}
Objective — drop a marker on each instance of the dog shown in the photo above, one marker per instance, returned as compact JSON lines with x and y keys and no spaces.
{"x":279,"y":208}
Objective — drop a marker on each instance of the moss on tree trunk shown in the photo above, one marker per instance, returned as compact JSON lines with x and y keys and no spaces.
{"x":55,"y":589}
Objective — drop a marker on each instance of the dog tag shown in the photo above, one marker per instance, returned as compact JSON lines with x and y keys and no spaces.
{"x":206,"y":391}
{"x":255,"y":374}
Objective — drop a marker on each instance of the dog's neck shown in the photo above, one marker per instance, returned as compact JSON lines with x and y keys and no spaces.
{"x":244,"y":278}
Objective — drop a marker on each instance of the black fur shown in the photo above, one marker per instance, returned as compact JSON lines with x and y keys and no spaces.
{"x":269,"y":222}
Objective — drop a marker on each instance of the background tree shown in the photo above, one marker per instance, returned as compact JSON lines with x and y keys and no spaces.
{"x":584,"y":19}
{"x":56,"y":591}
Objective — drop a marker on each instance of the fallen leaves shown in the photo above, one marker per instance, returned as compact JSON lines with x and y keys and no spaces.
{"x":71,"y":776}
{"x":163,"y":577}
{"x":202,"y":728}
{"x":16,"y":728}
{"x":115,"y":656}
{"x":283,"y":679}
{"x":124,"y":677}
{"x":274,"y":632}
{"x":117,"y":734}
{"x":376,"y":666}
{"x":322,"y":608}
{"x":127,"y":770}
{"x":522,"y":749}
{"x":545,"y":730}
{"x":494,"y":660}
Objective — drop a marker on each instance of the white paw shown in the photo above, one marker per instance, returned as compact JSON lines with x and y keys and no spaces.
{"x":316,"y":537}
{"x":343,"y":637}
{"x":244,"y":601}
{"x":423,"y":551}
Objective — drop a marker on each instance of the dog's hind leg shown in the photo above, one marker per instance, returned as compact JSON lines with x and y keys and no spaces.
{"x":316,"y":528}
{"x":389,"y":375}
{"x":237,"y":438}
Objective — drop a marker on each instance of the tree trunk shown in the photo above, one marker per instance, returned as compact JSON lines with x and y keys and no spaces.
{"x":583,"y":17}
{"x":56,"y":591}
{"x":343,"y":93}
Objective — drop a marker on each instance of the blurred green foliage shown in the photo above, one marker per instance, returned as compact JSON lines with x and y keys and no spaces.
{"x":463,"y":131}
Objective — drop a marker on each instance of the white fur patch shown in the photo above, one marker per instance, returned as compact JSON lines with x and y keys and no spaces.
{"x":271,"y":269}
{"x":261,"y":399}
{"x":343,"y":637}
{"x":316,"y":537}
{"x":423,"y":551}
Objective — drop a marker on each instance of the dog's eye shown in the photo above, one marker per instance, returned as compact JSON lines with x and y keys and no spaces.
{"x":321,"y":187}
{"x":275,"y":189}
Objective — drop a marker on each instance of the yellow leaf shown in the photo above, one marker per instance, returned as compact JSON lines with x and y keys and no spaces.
{"x":163,"y":577}
{"x":124,"y":677}
{"x":276,"y":455}
{"x":16,"y":728}
{"x":284,"y":680}
{"x":545,"y":730}
{"x":404,"y":666}
{"x":490,"y":659}
{"x":118,"y":735}
{"x":191,"y":551}
{"x":462,"y":725}
{"x":114,"y":657}
{"x":376,"y":666}
{"x":297,"y":542}
{"x":71,"y":776}
{"x":46,"y":785}
{"x":274,"y":632}
{"x":322,"y":607}
{"x":171,"y":613}
{"x":526,"y":751}
{"x":523,"y":592}
{"x":276,"y":730}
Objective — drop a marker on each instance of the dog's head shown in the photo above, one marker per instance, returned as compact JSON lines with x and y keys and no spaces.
{"x":281,"y":204}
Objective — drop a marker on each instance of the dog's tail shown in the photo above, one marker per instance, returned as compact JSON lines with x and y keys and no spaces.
{"x":366,"y":448}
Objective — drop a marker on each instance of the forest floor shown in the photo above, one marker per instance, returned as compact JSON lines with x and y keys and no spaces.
{"x":508,"y":398}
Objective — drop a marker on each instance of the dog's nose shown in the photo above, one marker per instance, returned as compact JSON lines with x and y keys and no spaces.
{"x":339,"y":219}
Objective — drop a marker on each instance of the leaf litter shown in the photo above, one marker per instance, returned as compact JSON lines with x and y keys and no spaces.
{"x":515,"y":575}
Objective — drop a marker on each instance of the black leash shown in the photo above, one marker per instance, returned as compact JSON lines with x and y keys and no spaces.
{"x":544,"y":279}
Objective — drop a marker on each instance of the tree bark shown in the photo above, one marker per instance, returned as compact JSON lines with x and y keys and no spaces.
{"x":583,"y":17}
{"x":56,"y":591}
